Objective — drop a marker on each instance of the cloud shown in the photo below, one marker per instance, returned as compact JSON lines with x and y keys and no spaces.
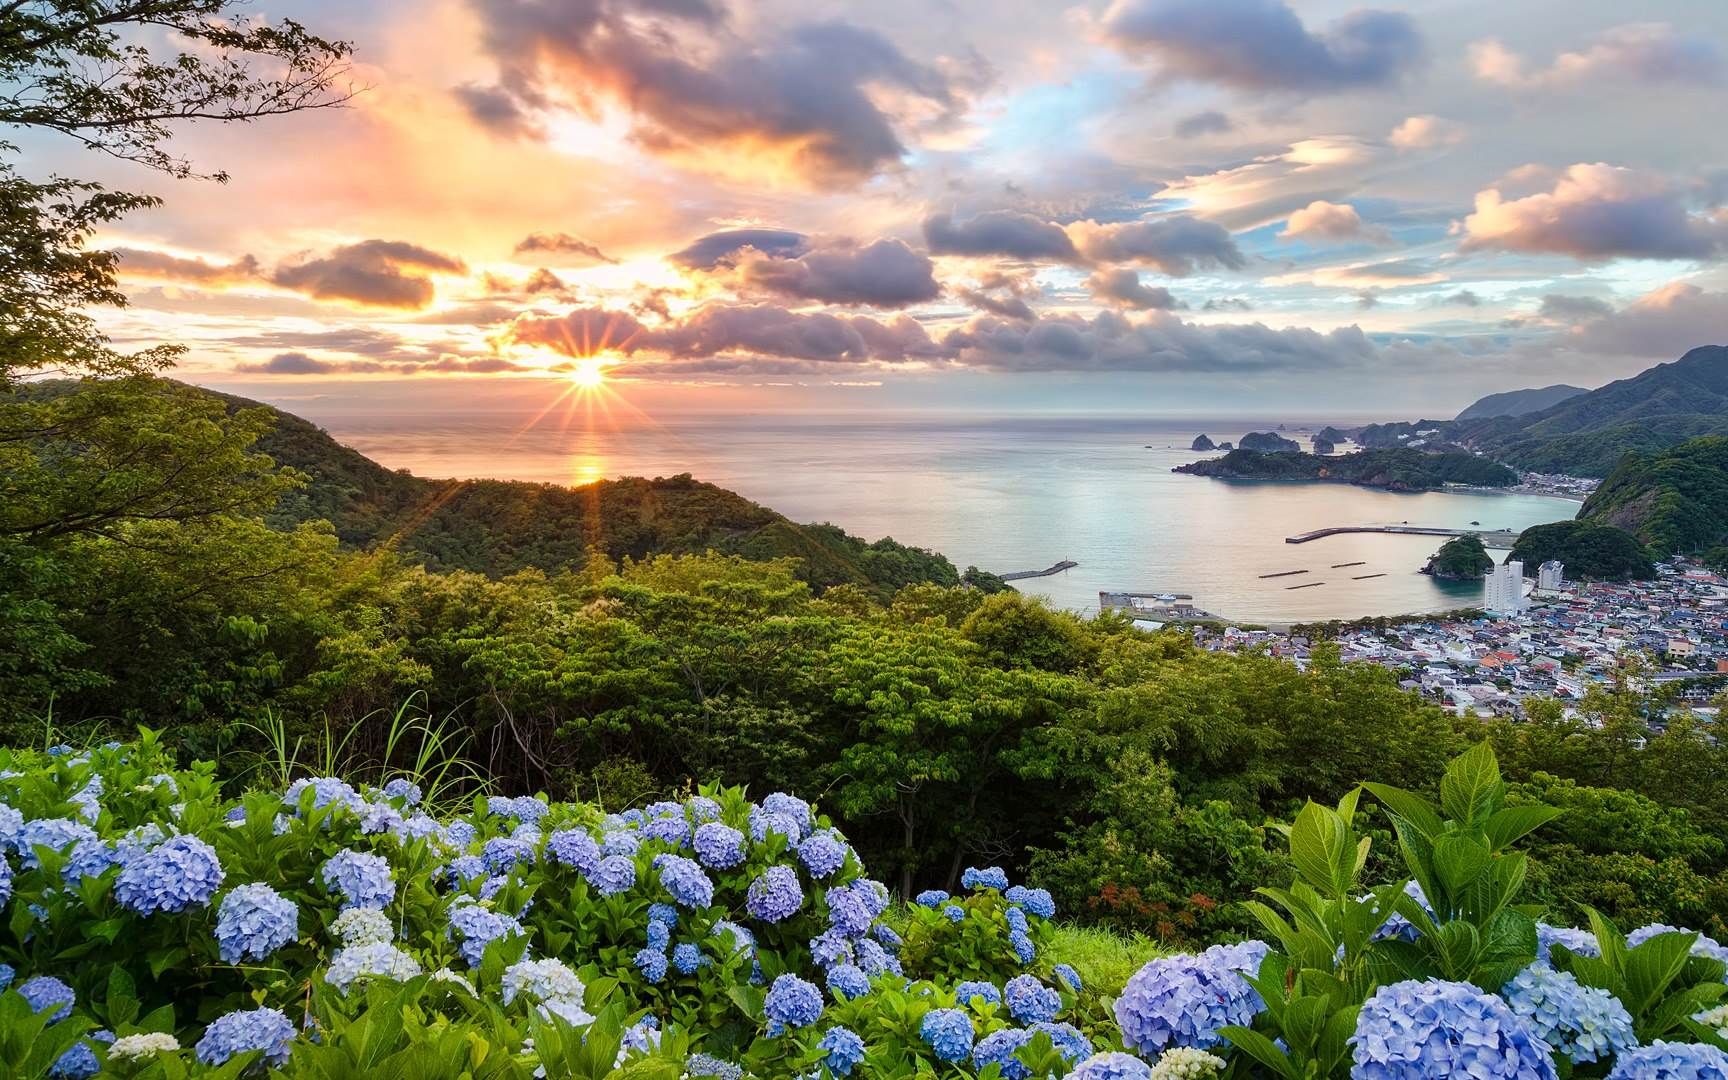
{"x":1227,"y":303}
{"x":1660,"y":325}
{"x":1122,"y":288}
{"x":722,"y":248}
{"x":561,"y":244}
{"x":1596,"y":212}
{"x":580,"y":332}
{"x":1006,"y":233}
{"x":1422,"y":132}
{"x":1176,"y":244}
{"x":139,"y":263}
{"x":1261,"y":45}
{"x":1462,"y":298}
{"x":1157,"y":342}
{"x":1247,"y":195}
{"x":299,"y":363}
{"x":884,"y":274}
{"x":1558,"y":307}
{"x":1651,"y":52}
{"x":1388,"y":273}
{"x":1008,"y":307}
{"x":290,"y":363}
{"x":375,"y":273}
{"x":726,"y":329}
{"x":821,"y":103}
{"x":1322,"y":220}
{"x":499,"y":111}
{"x":1208,"y":122}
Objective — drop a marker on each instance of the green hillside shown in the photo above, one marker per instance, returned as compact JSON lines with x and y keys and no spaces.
{"x":1675,"y":501}
{"x":498,"y":527}
{"x":1395,"y":470}
{"x":1590,"y":551}
{"x":1520,"y":402}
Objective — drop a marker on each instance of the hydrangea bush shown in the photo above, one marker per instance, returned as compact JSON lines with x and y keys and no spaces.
{"x":152,"y":927}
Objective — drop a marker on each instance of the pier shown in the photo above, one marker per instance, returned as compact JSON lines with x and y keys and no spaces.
{"x":1283,"y":573}
{"x":1494,"y":538}
{"x":1022,"y":575}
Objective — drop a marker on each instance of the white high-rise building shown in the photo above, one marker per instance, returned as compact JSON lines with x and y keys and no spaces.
{"x":1503,"y":589}
{"x":1551,"y":575}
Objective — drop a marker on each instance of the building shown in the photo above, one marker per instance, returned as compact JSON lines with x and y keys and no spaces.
{"x":1551,"y":575}
{"x":1503,"y":589}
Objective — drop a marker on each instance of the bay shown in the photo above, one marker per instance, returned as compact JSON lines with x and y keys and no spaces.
{"x":1002,"y":493}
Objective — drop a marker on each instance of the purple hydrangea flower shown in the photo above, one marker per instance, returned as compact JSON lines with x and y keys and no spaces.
{"x":674,"y":831}
{"x":847,"y":911}
{"x":790,"y":806}
{"x":1112,"y":1065}
{"x":619,"y":842}
{"x":998,"y":1048}
{"x":719,"y":845}
{"x":1437,"y":1028}
{"x":823,"y":854}
{"x":574,"y":848}
{"x":686,"y":881}
{"x":702,"y":808}
{"x":1030,"y":1001}
{"x":1705,"y":946}
{"x":1069,"y":1040}
{"x":613,"y":875}
{"x":793,"y":1002}
{"x":477,"y":927}
{"x":1182,"y":1001}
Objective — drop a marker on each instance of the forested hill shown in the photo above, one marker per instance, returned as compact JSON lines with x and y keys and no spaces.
{"x":1520,"y":402}
{"x":1395,"y":470}
{"x":1675,"y":501}
{"x":500,"y":526}
{"x":1587,"y":435}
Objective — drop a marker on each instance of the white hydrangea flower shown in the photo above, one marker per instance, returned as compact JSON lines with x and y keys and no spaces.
{"x":1186,"y":1063}
{"x":543,"y":980}
{"x":363,"y":926}
{"x":147,"y":1044}
{"x":378,"y":960}
{"x":1715,"y":1018}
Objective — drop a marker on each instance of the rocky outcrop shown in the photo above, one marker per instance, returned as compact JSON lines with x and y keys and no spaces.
{"x":1203,"y":443}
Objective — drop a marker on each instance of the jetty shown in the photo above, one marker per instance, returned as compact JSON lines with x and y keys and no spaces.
{"x":1365,"y":577}
{"x":1342,"y":565}
{"x":1494,"y":538}
{"x":1022,"y":575}
{"x":1283,"y":573}
{"x":1309,"y":585}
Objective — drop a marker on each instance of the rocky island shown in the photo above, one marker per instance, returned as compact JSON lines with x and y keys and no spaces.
{"x":1393,"y":470}
{"x":1270,"y":443}
{"x":1462,"y":558}
{"x":1323,"y":445}
{"x":1202,"y":444}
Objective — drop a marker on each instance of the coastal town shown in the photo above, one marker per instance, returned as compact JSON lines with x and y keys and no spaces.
{"x":1561,"y":638}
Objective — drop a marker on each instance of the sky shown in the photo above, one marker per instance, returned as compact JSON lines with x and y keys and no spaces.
{"x":1155,"y":206}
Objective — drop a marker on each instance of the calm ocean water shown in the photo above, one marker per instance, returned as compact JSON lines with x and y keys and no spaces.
{"x":1002,"y":494}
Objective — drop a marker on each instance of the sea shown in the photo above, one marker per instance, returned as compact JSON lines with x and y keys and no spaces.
{"x":1004,"y":493}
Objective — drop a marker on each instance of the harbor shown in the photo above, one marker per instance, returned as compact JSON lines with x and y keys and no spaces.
{"x":1023,"y":575}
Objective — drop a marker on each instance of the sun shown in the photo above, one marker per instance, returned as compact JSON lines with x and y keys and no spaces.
{"x":588,"y":374}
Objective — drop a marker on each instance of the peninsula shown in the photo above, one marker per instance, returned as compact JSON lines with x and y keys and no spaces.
{"x":1393,"y":470}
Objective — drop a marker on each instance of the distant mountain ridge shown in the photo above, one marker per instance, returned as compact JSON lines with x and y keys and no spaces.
{"x":1520,"y":402}
{"x":499,"y":527}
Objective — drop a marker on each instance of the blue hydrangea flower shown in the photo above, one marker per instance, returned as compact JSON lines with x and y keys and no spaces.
{"x":1671,"y":1061}
{"x":11,"y":821}
{"x":254,"y":921}
{"x":775,"y":895}
{"x":793,"y":1002}
{"x":619,"y":842}
{"x":477,"y":927}
{"x":822,"y":854}
{"x":844,"y":1050}
{"x":1069,"y":1040}
{"x":1582,"y":942}
{"x":848,"y":912}
{"x":662,"y":912}
{"x":847,"y":981}
{"x":1584,"y":1023}
{"x":954,"y":913}
{"x":574,"y":848}
{"x":244,"y":1031}
{"x":5,"y":881}
{"x":326,"y":791}
{"x":966,"y":991}
{"x":1705,"y":946}
{"x":1037,"y":901}
{"x":949,"y":1033}
{"x":79,"y":1063}
{"x":1112,"y":1065}
{"x":651,"y":963}
{"x":1243,"y":956}
{"x":989,"y":877}
{"x":1396,"y":925}
{"x":686,"y":881}
{"x":659,"y":935}
{"x":675,"y":831}
{"x":831,"y":947}
{"x":404,"y":789}
{"x":998,"y":1048}
{"x":931,"y":898}
{"x":45,"y":992}
{"x":526,"y":808}
{"x":613,"y":875}
{"x":379,"y":817}
{"x":887,"y":935}
{"x":1030,"y":1001}
{"x":790,"y":806}
{"x":465,"y":868}
{"x":56,"y":834}
{"x":1437,"y":1028}
{"x":875,"y":960}
{"x":686,"y":958}
{"x":1182,"y":1001}
{"x":503,"y":854}
{"x":1066,"y":974}
{"x":1022,"y":945}
{"x":7,"y":974}
{"x":764,"y":824}
{"x":702,"y":808}
{"x":719,"y":845}
{"x":177,"y":874}
{"x":708,"y":1067}
{"x":458,"y":835}
{"x":361,"y":878}
{"x":89,"y":858}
